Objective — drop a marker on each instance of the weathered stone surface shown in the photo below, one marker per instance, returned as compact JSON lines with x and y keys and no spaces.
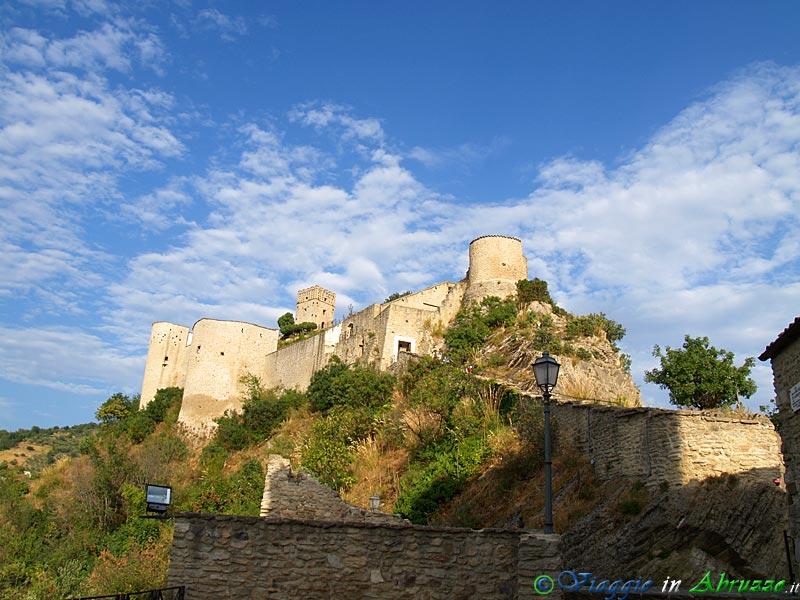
{"x":290,"y":495}
{"x":674,"y":447}
{"x":351,"y":560}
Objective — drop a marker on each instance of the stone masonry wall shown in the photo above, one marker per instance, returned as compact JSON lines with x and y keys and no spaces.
{"x":672,"y":446}
{"x":496,"y":263}
{"x":220,"y":354}
{"x":786,"y":374}
{"x":167,"y":357}
{"x":290,"y":495}
{"x":221,"y":556}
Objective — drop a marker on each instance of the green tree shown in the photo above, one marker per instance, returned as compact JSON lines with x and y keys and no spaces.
{"x":117,"y":408}
{"x":700,"y":376}
{"x":395,"y":296}
{"x":285,"y":321}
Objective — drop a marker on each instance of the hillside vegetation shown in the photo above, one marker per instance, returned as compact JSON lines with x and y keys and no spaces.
{"x":426,"y":439}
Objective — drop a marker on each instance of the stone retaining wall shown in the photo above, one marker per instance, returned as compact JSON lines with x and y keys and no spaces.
{"x":290,"y":495}
{"x":675,"y":447}
{"x":220,"y":556}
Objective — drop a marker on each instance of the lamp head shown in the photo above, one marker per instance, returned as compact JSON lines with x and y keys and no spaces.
{"x":545,"y":369}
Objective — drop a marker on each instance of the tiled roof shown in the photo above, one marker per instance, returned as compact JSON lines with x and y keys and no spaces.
{"x":787,"y":336}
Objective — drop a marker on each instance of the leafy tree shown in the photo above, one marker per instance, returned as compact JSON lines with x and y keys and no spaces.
{"x":285,"y":321}
{"x":117,"y":408}
{"x":533,"y":290}
{"x":395,"y":296}
{"x":340,"y":385}
{"x":288,"y":327}
{"x":700,"y":376}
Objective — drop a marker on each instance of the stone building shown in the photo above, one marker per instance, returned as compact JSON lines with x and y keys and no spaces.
{"x":315,"y":305}
{"x":784,"y":354}
{"x":210,"y":360}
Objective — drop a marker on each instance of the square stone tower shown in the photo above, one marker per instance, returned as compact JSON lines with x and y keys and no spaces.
{"x":315,"y":305}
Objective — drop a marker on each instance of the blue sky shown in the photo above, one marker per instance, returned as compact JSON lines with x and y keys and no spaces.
{"x":178,"y":160}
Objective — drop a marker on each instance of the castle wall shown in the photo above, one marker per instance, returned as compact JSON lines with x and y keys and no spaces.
{"x":167,"y":357}
{"x":220,"y":354}
{"x":496,"y":263}
{"x":292,"y":366}
{"x":675,"y":447}
{"x":222,"y":556}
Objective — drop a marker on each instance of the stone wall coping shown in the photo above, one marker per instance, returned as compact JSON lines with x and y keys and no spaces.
{"x":655,"y":411}
{"x":232,"y":321}
{"x":266,"y":521}
{"x":508,"y":237}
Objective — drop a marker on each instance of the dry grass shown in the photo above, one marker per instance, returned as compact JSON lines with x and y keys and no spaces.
{"x":580,"y":387}
{"x":377,"y":470}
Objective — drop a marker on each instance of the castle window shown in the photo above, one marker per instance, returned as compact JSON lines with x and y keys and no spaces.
{"x":222,"y":354}
{"x":403,"y":346}
{"x":166,"y":358}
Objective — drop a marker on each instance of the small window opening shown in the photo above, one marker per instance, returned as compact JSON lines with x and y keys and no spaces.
{"x":403,"y":346}
{"x":222,"y":354}
{"x":166,"y":358}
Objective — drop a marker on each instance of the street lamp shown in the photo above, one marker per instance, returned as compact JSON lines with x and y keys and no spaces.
{"x":545,"y":369}
{"x":374,"y":502}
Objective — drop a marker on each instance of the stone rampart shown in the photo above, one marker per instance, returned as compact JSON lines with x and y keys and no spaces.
{"x":675,"y":447}
{"x":220,"y":354}
{"x":496,"y":263}
{"x":167,"y":357}
{"x":292,"y":366}
{"x":290,"y":495}
{"x":220,"y":556}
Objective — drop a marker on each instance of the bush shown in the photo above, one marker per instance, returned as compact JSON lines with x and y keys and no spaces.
{"x":166,"y":402}
{"x":473,"y":325}
{"x":533,"y":291}
{"x":340,"y":385}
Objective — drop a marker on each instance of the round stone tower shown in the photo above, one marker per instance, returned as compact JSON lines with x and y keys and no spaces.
{"x":496,"y":263}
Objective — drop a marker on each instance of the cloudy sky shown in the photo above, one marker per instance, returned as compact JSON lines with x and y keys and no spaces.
{"x":177,"y":160}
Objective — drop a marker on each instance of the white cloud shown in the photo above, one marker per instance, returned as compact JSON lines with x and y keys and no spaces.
{"x":113,"y":46}
{"x":66,"y":359}
{"x":328,"y":115}
{"x":228,"y":28}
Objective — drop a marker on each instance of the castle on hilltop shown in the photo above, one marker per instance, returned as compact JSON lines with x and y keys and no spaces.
{"x":209,"y":360}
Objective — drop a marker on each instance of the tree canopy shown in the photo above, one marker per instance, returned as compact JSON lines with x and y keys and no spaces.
{"x":698,"y":375}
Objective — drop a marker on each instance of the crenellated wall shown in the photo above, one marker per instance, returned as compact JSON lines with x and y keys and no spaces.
{"x":221,"y":556}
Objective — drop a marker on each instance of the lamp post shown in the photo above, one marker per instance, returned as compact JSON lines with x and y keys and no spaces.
{"x":374,"y":502}
{"x":545,"y":369}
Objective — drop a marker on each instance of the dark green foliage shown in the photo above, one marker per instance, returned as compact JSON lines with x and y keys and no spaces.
{"x":351,"y":398}
{"x":700,"y":376}
{"x":533,"y":291}
{"x":473,"y":325}
{"x":595,"y":324}
{"x":328,"y":455}
{"x":165,"y":405}
{"x":395,"y":296}
{"x":441,"y":472}
{"x":447,"y":456}
{"x":289,"y":328}
{"x":263,"y":410}
{"x":341,"y":385}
